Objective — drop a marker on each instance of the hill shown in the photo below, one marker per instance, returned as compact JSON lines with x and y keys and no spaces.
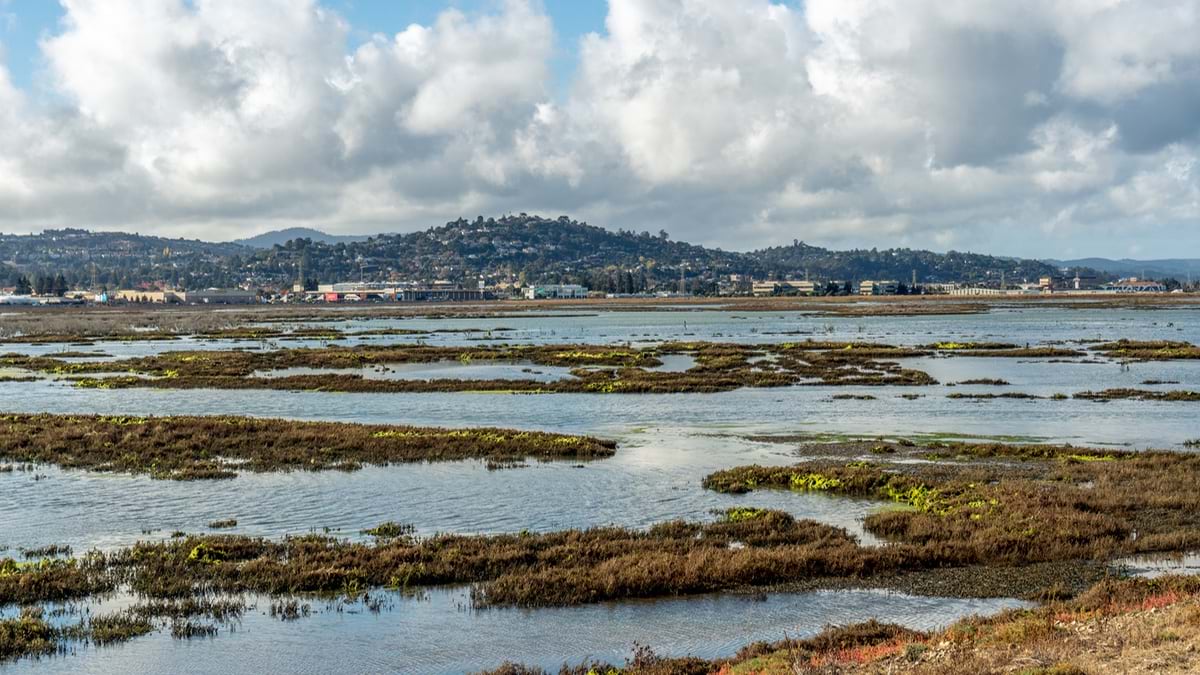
{"x":899,"y":264}
{"x":118,"y":258}
{"x":278,"y":237}
{"x":565,"y":250}
{"x":522,"y":246}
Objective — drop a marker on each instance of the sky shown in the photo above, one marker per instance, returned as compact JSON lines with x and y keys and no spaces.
{"x":1038,"y":128}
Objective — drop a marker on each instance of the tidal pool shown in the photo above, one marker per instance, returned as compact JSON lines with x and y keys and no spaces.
{"x":437,"y":633}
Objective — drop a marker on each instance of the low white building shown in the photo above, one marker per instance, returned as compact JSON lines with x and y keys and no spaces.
{"x":220,"y":296}
{"x":554,"y":291}
{"x":1136,"y":285}
{"x":786,"y":286}
{"x":18,"y":300}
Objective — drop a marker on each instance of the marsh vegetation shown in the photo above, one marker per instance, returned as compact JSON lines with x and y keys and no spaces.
{"x":191,"y":448}
{"x":593,"y":368}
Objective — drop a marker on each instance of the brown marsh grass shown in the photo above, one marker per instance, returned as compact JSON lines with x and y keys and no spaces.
{"x":187,"y":448}
{"x":977,"y":507}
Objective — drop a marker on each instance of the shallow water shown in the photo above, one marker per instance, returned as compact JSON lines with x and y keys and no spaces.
{"x":437,"y":635}
{"x":667,"y":443}
{"x":655,"y":477}
{"x":1157,"y":565}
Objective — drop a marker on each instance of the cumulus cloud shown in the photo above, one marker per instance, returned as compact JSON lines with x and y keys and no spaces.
{"x":1013,"y":126}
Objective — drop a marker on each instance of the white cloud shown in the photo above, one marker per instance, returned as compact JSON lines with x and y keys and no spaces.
{"x":867,"y":122}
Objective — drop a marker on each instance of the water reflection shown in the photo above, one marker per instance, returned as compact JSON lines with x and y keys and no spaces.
{"x":655,"y":477}
{"x":437,"y":635}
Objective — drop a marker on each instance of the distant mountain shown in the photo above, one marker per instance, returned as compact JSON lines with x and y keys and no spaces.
{"x":1178,"y":268}
{"x":280,"y":237}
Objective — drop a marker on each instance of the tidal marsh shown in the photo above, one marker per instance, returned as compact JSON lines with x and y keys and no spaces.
{"x":988,"y":505}
{"x":594,"y":368}
{"x":973,"y":505}
{"x":190,"y":448}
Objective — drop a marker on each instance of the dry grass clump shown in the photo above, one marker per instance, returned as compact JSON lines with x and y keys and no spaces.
{"x":117,"y":627}
{"x":188,"y":448}
{"x":27,"y":635}
{"x":216,"y":608}
{"x":30,"y":635}
{"x":50,"y":580}
{"x":48,"y":551}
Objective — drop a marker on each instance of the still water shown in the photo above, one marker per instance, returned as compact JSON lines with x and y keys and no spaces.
{"x":667,"y":444}
{"x":436,"y":634}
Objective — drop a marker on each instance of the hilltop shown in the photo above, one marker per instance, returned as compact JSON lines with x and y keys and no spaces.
{"x":279,"y":237}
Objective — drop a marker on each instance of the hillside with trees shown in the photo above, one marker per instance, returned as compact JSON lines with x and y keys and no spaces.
{"x":521,"y":247}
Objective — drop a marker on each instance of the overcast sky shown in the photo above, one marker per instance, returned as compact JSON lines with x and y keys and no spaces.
{"x":1041,"y":128}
